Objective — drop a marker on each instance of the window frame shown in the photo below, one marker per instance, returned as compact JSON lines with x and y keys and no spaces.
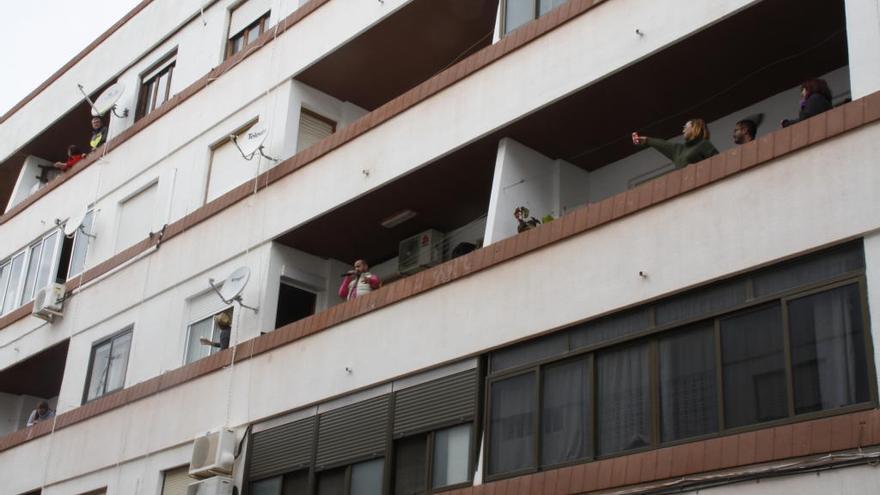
{"x":20,"y":298}
{"x":129,"y":330}
{"x":261,"y":21}
{"x":430,"y":445}
{"x":192,"y":322}
{"x":151,"y":76}
{"x":82,"y":235}
{"x":652,"y":338}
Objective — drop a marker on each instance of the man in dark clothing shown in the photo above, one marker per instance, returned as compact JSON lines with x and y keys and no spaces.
{"x":744,"y":131}
{"x":224,"y":323}
{"x":99,"y":133}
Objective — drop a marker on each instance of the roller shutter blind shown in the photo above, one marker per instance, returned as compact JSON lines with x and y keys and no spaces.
{"x":353,"y":432}
{"x":281,"y":449}
{"x":312,"y":129}
{"x":176,"y":480}
{"x":444,"y":401}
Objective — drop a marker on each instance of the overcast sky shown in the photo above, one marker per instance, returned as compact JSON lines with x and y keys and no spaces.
{"x":46,"y":34}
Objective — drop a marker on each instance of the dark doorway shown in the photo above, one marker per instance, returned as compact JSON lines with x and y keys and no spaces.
{"x":293,"y":304}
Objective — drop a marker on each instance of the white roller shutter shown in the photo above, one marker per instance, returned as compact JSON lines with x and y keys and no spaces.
{"x":312,"y":129}
{"x":176,"y":480}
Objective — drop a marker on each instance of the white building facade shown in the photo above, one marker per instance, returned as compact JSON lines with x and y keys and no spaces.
{"x":699,"y":329}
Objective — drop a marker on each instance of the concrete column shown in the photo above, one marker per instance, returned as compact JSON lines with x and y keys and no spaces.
{"x":863,"y":39}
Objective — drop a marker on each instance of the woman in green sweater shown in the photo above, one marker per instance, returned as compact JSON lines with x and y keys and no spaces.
{"x":696,"y":145}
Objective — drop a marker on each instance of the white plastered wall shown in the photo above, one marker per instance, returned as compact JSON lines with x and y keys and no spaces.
{"x":798,"y":203}
{"x":863,"y":43}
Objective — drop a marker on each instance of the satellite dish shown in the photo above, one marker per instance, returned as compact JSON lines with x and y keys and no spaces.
{"x":250,"y":142}
{"x":107,"y":100}
{"x":232,"y":287}
{"x":74,"y":223}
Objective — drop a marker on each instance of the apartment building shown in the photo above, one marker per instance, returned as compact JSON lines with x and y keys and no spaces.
{"x":701,"y":329}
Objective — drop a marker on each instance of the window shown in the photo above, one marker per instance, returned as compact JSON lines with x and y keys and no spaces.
{"x":228,"y":169}
{"x":136,"y":215}
{"x":448,"y":451}
{"x":293,"y":304}
{"x":175,"y":481}
{"x":364,"y":478}
{"x":107,"y":366}
{"x":515,"y":13}
{"x":81,"y":240}
{"x":29,"y":270}
{"x":245,"y":36}
{"x":312,"y":129}
{"x":639,"y":383}
{"x":155,"y":86}
{"x":205,"y":328}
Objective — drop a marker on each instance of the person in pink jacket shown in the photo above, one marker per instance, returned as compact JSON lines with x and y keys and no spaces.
{"x":358,"y":282}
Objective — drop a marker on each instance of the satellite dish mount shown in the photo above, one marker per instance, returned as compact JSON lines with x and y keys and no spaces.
{"x":107,"y":100}
{"x":74,"y":224}
{"x":250,"y":142}
{"x":231,"y":288}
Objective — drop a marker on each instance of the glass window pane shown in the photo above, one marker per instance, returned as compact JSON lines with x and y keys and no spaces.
{"x":81,"y":246}
{"x":753,"y":367}
{"x":688,"y":396}
{"x":201,"y":329}
{"x":451,"y":448}
{"x":331,"y":482}
{"x":624,"y":399}
{"x":15,"y":272}
{"x":100,"y":368}
{"x":47,"y":262}
{"x":565,"y":413}
{"x":164,"y":80}
{"x":296,"y":483}
{"x":517,"y":13}
{"x":610,"y":328}
{"x":33,"y":265}
{"x":701,"y":302}
{"x":4,"y":279}
{"x":366,"y":478}
{"x":828,"y":350}
{"x":410,"y":461}
{"x":545,"y":6}
{"x":271,"y":486}
{"x":253,"y":33}
{"x":810,"y":269}
{"x":149,"y":92}
{"x":237,"y":43}
{"x":530,"y":352}
{"x":511,"y":423}
{"x":118,"y":362}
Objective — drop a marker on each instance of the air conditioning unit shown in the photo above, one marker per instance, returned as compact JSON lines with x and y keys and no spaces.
{"x":213,"y":454}
{"x":420,"y":251}
{"x":218,"y":485}
{"x":48,"y":302}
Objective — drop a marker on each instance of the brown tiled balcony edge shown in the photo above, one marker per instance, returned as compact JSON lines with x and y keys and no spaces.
{"x":389,"y":110}
{"x":734,"y":161}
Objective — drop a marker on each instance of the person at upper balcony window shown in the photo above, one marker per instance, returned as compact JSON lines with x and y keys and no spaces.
{"x":99,"y":133}
{"x":696,"y":146}
{"x":358,"y":282}
{"x":815,"y":99}
{"x":41,"y":413}
{"x":224,"y":324}
{"x":744,"y":131}
{"x":74,"y":155}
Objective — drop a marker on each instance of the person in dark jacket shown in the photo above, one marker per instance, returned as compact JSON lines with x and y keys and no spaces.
{"x":815,"y":99}
{"x":696,"y":146}
{"x":99,"y":133}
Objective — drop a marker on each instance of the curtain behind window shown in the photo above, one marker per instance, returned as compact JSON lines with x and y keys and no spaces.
{"x":512,"y":420}
{"x":688,"y":398}
{"x":565,"y":417}
{"x":624,"y":399}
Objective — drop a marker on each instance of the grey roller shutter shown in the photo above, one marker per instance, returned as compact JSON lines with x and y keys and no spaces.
{"x":281,"y":449}
{"x":352,"y":432}
{"x":438,"y":402}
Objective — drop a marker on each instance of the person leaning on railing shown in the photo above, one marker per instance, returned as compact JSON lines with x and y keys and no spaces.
{"x":696,"y":146}
{"x":815,"y":99}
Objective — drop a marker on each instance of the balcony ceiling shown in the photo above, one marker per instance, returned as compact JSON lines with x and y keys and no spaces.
{"x":742,"y":59}
{"x":401,"y":51}
{"x":39,"y":375}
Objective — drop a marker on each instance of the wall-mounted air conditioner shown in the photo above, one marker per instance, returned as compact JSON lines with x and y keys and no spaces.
{"x":420,"y":251}
{"x":48,"y":302}
{"x":218,"y":485}
{"x":213,"y":454}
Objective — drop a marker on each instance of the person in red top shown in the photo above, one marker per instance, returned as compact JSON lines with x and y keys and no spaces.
{"x":358,"y":282}
{"x":74,"y":155}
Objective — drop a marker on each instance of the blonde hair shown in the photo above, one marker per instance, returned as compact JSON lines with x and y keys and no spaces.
{"x":700,"y":129}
